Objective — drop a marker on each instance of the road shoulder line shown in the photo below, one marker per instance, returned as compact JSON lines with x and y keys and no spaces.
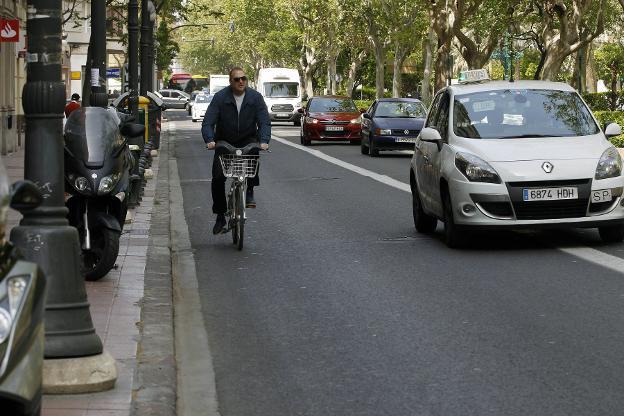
{"x":387,"y":180}
{"x":586,"y":253}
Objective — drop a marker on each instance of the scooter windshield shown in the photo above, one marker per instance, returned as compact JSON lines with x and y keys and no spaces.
{"x":92,"y":134}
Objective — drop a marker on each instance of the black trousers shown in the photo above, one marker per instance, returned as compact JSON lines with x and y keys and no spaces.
{"x":219,"y":203}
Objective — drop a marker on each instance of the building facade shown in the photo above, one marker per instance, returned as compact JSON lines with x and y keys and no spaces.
{"x":12,"y":73}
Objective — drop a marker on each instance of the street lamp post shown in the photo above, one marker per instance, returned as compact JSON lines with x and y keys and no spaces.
{"x":44,"y":235}
{"x":133,"y":56}
{"x":98,"y":97}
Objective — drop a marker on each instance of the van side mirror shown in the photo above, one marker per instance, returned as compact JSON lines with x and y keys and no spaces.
{"x":25,"y":196}
{"x":132,"y":130}
{"x":612,"y":130}
{"x":367,"y":116}
{"x":301,"y":110}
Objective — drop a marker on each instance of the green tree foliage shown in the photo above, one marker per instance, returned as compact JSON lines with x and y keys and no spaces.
{"x":167,"y":48}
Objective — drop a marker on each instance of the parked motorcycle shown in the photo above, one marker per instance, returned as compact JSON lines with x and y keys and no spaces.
{"x":97,"y":169}
{"x":22,"y":299}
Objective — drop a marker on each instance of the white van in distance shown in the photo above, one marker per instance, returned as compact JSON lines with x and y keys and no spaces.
{"x":281,"y":89}
{"x":218,"y":82}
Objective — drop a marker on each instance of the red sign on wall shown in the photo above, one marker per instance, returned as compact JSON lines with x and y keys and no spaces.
{"x":9,"y":30}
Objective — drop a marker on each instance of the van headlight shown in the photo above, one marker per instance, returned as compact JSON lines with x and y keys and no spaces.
{"x":108,"y":183}
{"x":15,"y":289}
{"x":609,"y":165}
{"x":383,"y":132}
{"x":476,"y":169}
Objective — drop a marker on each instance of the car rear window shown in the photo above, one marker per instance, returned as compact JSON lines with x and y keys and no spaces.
{"x":332,"y":105}
{"x":503,"y":114}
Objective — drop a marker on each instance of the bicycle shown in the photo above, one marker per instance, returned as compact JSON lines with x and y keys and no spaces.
{"x":238,"y":164}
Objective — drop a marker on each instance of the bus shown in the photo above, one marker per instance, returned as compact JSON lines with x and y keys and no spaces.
{"x":187,"y":82}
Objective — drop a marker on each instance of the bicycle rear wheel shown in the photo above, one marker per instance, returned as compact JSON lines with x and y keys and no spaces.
{"x":238,"y":230}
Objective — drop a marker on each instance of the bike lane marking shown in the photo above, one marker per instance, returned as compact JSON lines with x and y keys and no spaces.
{"x":585,"y":253}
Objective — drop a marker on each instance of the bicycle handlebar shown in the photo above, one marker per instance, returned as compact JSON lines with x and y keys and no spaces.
{"x":232,"y":149}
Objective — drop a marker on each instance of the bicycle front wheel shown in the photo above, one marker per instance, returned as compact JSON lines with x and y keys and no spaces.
{"x":238,"y":230}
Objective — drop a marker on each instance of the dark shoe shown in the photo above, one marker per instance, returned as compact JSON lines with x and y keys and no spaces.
{"x":250,"y":202}
{"x":219,"y":227}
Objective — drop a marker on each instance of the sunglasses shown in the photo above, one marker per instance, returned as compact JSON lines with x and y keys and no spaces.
{"x":238,"y":79}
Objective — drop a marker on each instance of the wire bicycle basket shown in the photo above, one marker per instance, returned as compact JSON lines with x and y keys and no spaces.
{"x":239,"y":165}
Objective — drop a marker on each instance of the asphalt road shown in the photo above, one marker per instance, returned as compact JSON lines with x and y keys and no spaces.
{"x":336,"y":306}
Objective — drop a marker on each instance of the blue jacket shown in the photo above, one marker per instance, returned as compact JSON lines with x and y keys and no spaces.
{"x":223,"y":122}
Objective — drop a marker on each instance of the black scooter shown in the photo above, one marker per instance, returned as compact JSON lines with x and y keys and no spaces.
{"x":97,"y":170}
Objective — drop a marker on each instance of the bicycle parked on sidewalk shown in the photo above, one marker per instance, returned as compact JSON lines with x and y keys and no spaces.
{"x":238,"y":164}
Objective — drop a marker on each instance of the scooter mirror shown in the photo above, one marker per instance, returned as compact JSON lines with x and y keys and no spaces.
{"x":25,"y":196}
{"x":132,"y":130}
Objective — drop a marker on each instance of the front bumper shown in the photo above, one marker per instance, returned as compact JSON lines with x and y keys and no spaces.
{"x":284,"y":116}
{"x":486,"y":205}
{"x":393,"y":142}
{"x":350,"y":132}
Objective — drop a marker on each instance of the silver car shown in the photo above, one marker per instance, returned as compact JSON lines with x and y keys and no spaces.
{"x":175,"y":99}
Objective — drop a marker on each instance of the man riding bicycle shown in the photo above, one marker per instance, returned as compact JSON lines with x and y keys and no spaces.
{"x":241,"y":117}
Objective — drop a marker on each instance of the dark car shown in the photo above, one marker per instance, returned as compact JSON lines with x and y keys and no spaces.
{"x":330,"y":118}
{"x":392,"y":124}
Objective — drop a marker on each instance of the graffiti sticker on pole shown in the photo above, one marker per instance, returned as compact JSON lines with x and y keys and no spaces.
{"x":95,"y":77}
{"x":9,"y":30}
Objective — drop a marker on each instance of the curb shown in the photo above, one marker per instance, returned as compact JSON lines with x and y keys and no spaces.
{"x":154,"y":389}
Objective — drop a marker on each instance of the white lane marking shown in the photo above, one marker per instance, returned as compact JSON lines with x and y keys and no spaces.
{"x":387,"y":180}
{"x":586,"y":253}
{"x":596,"y":256}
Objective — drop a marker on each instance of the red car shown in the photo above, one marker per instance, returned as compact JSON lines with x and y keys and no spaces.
{"x":330,"y":118}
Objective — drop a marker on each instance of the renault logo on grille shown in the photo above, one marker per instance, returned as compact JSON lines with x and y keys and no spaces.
{"x":548,"y":167}
{"x":406,"y":132}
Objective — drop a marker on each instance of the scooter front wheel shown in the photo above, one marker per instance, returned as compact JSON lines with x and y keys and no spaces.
{"x":100,"y":259}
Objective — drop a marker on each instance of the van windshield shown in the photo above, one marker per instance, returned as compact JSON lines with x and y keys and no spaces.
{"x":281,"y":89}
{"x":511,"y":113}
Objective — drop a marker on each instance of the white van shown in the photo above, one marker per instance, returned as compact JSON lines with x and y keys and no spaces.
{"x":281,"y":89}
{"x":218,"y":82}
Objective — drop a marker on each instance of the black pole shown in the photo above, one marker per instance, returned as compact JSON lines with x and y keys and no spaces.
{"x":145,"y":45}
{"x":44,"y":235}
{"x":98,"y":63}
{"x":151,"y":50}
{"x":133,"y":56}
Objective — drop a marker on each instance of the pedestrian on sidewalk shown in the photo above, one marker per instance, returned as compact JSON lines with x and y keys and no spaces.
{"x":241,"y":117}
{"x":72,"y":105}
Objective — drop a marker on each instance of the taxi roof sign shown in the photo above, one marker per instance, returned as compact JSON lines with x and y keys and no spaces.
{"x":474,"y":75}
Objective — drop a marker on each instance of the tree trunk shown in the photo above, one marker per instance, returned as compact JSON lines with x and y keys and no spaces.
{"x":331,"y":75}
{"x":552,"y":64}
{"x":353,"y":67}
{"x":613,"y":93}
{"x":441,"y":65}
{"x":591,"y":80}
{"x":380,"y":70}
{"x":425,"y":89}
{"x":308,"y":65}
{"x":399,"y":58}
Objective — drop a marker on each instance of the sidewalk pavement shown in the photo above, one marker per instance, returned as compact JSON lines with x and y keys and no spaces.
{"x":116,"y":302}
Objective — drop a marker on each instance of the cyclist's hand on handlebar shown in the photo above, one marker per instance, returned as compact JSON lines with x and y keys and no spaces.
{"x":264,"y":146}
{"x":211,"y":145}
